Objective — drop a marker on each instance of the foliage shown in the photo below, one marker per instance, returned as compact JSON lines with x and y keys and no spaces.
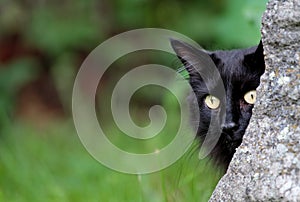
{"x":12,"y":78}
{"x":54,"y":166}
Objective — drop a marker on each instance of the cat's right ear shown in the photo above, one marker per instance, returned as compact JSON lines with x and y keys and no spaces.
{"x":256,"y":60}
{"x":195,"y":60}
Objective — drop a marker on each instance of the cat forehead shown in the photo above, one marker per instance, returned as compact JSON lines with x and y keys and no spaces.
{"x":232,"y":69}
{"x":232,"y":59}
{"x":236,"y":55}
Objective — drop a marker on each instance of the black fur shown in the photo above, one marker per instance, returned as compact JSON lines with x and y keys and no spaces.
{"x":240,"y":72}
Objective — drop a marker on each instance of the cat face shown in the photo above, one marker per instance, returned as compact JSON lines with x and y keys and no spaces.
{"x":239,"y":74}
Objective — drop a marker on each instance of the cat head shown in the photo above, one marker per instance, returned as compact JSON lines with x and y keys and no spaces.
{"x":238,"y":73}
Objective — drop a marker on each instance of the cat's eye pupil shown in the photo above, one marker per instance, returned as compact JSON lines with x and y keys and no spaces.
{"x":212,"y":102}
{"x":250,"y":97}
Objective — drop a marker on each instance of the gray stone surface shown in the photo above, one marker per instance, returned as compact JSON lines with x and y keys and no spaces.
{"x":266,"y":167}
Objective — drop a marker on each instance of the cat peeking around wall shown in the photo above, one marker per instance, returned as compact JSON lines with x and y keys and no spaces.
{"x":238,"y":74}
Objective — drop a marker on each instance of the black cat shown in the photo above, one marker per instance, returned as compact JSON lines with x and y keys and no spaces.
{"x":239,"y":74}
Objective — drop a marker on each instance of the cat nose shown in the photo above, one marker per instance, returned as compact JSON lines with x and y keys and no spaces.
{"x":229,"y":126}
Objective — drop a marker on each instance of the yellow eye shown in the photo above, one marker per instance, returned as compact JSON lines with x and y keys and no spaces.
{"x":212,"y":102}
{"x":250,"y":97}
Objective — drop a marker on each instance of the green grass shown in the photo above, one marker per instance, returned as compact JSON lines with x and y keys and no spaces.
{"x":54,"y":166}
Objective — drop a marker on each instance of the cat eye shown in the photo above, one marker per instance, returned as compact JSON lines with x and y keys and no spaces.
{"x":250,"y":97}
{"x":212,"y":102}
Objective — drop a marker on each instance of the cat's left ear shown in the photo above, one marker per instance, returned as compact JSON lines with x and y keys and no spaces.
{"x":256,"y":59}
{"x":194,"y":59}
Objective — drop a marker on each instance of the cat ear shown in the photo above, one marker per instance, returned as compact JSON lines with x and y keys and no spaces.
{"x":195,"y":60}
{"x":256,"y":59}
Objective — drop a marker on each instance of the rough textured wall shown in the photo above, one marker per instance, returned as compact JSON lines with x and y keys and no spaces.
{"x":266,"y":167}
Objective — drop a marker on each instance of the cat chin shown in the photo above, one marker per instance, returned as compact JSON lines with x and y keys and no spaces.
{"x":232,"y":141}
{"x":235,"y":137}
{"x":223,"y":152}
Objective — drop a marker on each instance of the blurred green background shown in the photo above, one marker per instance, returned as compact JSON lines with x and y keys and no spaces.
{"x":42,"y":45}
